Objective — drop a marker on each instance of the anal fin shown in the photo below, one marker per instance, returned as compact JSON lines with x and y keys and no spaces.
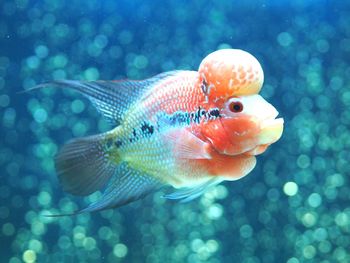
{"x":127,"y":185}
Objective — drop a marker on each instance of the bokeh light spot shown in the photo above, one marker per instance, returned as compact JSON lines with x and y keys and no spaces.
{"x":290,"y":188}
{"x":120,"y":250}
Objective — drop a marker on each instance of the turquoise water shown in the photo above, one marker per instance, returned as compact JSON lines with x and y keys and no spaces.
{"x":293,"y":207}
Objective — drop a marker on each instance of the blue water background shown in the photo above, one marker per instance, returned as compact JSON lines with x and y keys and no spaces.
{"x":293,"y":207}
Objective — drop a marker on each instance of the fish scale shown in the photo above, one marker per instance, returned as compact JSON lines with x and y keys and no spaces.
{"x":152,"y":154}
{"x":187,"y":129}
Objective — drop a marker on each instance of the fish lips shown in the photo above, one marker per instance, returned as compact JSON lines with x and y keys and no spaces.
{"x":271,"y":130}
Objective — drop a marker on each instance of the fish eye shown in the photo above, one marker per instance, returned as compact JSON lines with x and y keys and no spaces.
{"x":236,"y":106}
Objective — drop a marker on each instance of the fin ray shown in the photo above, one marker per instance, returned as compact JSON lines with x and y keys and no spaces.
{"x":83,"y":166}
{"x":187,"y":194}
{"x":111,"y":98}
{"x":126,"y":186}
{"x":186,"y":145}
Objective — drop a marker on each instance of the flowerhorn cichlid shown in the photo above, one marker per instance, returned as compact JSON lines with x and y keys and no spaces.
{"x":187,"y":129}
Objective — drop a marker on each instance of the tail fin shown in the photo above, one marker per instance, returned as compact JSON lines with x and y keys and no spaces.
{"x":83,"y":165}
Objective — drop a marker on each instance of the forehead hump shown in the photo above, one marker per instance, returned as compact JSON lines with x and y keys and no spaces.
{"x":231,"y":72}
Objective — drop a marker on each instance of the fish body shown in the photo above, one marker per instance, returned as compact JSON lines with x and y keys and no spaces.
{"x":186,"y":129}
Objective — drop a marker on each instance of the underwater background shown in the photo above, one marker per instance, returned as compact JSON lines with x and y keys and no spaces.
{"x":295,"y":205}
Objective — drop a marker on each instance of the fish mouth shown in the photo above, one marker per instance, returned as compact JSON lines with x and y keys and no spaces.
{"x":271,"y":130}
{"x":272,"y":122}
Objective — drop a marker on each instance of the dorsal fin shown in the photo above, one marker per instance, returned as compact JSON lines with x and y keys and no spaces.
{"x":111,"y":98}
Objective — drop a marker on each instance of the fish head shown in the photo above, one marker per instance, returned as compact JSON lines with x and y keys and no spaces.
{"x":247,"y":124}
{"x":231,"y":80}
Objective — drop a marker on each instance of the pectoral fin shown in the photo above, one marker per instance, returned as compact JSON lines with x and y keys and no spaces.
{"x":186,"y":145}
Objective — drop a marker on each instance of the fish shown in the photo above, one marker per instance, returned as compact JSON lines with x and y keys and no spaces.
{"x":187,"y":130}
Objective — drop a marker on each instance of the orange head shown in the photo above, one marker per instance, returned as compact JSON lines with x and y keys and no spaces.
{"x":247,"y":124}
{"x":231,"y":80}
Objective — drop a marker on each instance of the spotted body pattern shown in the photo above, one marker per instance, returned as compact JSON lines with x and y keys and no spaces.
{"x":185,"y":129}
{"x":176,"y":104}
